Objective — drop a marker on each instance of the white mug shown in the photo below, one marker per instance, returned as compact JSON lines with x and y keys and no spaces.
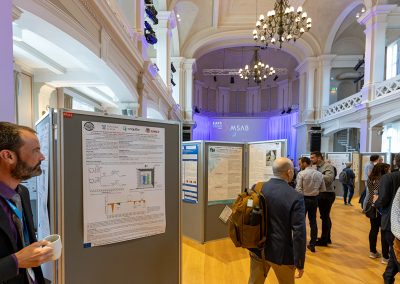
{"x":55,"y":243}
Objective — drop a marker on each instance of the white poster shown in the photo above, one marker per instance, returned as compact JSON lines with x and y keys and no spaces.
{"x":42,"y":183}
{"x":224,"y":173}
{"x":123,"y":182}
{"x":339,"y":160}
{"x":189,"y":173}
{"x":261,"y":158}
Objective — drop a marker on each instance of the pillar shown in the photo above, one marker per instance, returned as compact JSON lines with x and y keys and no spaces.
{"x":307,"y":88}
{"x":223,"y":100}
{"x":189,"y":67}
{"x":375,"y":22}
{"x":177,"y":90}
{"x":7,"y":98}
{"x":325,"y":66}
{"x":163,"y":46}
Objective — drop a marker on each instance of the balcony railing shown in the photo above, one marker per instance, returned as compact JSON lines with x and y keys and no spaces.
{"x":343,"y":105}
{"x":387,"y":88}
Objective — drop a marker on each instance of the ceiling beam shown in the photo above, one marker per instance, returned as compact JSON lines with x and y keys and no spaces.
{"x":50,"y":63}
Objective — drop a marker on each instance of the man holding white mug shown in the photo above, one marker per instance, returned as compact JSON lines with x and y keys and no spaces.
{"x":20,"y":254}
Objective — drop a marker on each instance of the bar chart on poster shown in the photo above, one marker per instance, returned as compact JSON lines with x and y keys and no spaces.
{"x":124,"y":182}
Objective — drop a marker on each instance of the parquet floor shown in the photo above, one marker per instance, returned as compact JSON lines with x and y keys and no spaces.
{"x":345,"y":261}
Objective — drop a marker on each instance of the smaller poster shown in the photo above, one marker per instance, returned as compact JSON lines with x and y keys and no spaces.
{"x":339,"y":160}
{"x":261,"y":158}
{"x":190,"y":156}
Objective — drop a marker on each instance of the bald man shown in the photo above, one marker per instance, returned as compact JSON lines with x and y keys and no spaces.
{"x":286,"y":235}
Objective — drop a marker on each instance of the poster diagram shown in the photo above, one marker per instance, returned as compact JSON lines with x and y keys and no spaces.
{"x":190,"y":155}
{"x":339,"y":160}
{"x":261,"y":158}
{"x":224,"y":173}
{"x":123,"y":182}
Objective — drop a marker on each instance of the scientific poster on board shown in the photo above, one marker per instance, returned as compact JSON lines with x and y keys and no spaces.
{"x":190,"y":157}
{"x":123,"y":182}
{"x":224,"y":173}
{"x":261,"y":158}
{"x":42,"y":186}
{"x":339,"y":160}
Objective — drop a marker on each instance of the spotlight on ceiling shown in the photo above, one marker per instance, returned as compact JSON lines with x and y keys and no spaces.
{"x":283,"y":111}
{"x":289,"y":110}
{"x":215,"y":78}
{"x":232,"y":80}
{"x":276,"y":77}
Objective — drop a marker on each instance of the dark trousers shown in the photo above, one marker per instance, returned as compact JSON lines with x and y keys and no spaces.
{"x":347,"y":188}
{"x":392,"y":267}
{"x":325,"y":201}
{"x":373,"y":237}
{"x":311,"y":204}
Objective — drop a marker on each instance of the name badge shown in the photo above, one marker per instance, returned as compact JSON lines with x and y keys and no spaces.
{"x":250,"y":203}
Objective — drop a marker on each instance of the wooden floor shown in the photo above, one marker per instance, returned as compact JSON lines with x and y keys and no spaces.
{"x":346,"y":260}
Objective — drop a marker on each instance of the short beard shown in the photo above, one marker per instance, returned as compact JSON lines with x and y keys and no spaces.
{"x":23,"y":172}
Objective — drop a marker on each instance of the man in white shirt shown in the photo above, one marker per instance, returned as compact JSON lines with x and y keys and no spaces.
{"x":310,"y":183}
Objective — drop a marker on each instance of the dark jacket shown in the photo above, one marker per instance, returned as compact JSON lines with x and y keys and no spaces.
{"x":350,"y":176}
{"x":286,"y":235}
{"x":388,"y":186}
{"x":8,"y":246}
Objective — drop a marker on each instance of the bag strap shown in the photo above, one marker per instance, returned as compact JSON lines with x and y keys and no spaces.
{"x":258,"y":186}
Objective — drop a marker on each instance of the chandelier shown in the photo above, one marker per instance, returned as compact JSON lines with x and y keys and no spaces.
{"x":259,"y":72}
{"x":281,"y":24}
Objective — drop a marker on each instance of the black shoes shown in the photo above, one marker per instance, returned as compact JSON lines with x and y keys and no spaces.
{"x":311,"y":248}
{"x":321,"y":243}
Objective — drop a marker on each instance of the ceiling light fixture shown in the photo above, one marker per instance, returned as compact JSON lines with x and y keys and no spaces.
{"x":258,"y":71}
{"x":281,"y":24}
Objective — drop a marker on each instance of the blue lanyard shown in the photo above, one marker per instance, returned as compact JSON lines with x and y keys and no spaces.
{"x":21,"y":218}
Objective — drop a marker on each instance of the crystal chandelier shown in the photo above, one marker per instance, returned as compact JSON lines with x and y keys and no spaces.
{"x":259,"y":72}
{"x":281,"y":24}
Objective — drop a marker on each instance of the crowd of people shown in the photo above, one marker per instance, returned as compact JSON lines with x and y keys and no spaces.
{"x":292,"y":194}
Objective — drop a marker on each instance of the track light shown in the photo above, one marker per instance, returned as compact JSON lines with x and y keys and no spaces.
{"x":215,"y":78}
{"x":232,"y":80}
{"x":276,"y":77}
{"x":283,"y":111}
{"x":289,"y":110}
{"x":172,"y":82}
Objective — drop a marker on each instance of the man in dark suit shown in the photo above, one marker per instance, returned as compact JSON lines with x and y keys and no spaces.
{"x":20,"y":254}
{"x":388,"y":187}
{"x":286,"y":228}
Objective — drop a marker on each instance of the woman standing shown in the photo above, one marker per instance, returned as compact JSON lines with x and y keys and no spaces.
{"x":375,"y":218}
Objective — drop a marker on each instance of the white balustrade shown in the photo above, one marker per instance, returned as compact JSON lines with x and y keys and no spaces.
{"x":343,"y":105}
{"x":388,"y":87}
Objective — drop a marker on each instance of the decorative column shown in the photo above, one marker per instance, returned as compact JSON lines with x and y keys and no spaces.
{"x":307,"y":69}
{"x":142,"y":99}
{"x":177,"y":90}
{"x":253,"y":100}
{"x":7,"y":97}
{"x":163,"y":46}
{"x":325,"y":66}
{"x":187,"y":102}
{"x":283,"y":94}
{"x":198,"y":95}
{"x":223,"y":100}
{"x":375,"y":22}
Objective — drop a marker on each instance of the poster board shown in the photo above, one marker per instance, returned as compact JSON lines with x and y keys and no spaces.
{"x":261,"y":156}
{"x":45,"y":192}
{"x":338,"y":160}
{"x":365,"y":161}
{"x":224,"y":161}
{"x":131,"y":259}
